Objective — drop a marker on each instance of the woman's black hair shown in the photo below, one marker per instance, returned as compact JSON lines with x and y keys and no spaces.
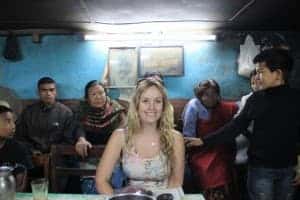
{"x":202,"y":86}
{"x":91,"y":84}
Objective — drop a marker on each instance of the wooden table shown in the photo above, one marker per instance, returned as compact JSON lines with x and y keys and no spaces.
{"x":53,"y":196}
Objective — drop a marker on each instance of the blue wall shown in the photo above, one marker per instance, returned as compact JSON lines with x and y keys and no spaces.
{"x":73,"y":62}
{"x":209,"y":60}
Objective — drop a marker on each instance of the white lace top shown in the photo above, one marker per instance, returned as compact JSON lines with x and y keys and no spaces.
{"x":149,"y":173}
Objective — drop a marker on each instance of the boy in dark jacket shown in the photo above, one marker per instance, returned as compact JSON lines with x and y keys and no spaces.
{"x":11,"y":152}
{"x":275,"y":111}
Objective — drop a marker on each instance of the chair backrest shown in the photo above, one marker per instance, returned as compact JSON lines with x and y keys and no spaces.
{"x":42,"y":160}
{"x":58,"y":169}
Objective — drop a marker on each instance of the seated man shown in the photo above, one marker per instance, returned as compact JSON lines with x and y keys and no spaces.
{"x":45,"y":123}
{"x":11,"y":152}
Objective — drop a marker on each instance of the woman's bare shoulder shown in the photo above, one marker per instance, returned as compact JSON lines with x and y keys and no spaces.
{"x":119,"y":134}
{"x":177,"y":135}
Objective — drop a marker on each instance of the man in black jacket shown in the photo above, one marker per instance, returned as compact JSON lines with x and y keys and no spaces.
{"x":275,"y":111}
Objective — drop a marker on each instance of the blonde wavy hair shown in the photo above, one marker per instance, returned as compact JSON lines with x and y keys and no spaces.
{"x":165,"y":124}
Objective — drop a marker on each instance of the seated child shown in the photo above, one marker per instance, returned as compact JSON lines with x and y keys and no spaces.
{"x":11,"y":152}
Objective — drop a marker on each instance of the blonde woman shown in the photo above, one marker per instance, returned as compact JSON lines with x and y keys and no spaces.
{"x":151,"y":151}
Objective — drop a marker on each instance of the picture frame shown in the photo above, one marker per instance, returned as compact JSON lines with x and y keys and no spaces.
{"x":122,"y":67}
{"x":168,"y":60}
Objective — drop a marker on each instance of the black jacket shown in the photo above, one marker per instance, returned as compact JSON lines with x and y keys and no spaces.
{"x":276,"y":115}
{"x":40,"y":126}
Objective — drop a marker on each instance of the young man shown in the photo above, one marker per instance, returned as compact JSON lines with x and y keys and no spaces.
{"x":45,"y":122}
{"x":11,"y":152}
{"x":275,"y":111}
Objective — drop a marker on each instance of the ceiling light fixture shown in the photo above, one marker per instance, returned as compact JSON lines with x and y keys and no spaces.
{"x":151,"y":36}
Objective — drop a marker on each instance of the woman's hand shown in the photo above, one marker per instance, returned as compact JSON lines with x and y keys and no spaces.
{"x":82,"y":146}
{"x":21,"y":179}
{"x":192,"y":141}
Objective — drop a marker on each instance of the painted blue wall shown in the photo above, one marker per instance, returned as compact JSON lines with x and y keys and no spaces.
{"x":69,"y":60}
{"x":72,"y":62}
{"x":209,"y":60}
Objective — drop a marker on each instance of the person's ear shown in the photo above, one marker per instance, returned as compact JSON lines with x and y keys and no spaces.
{"x":38,"y":92}
{"x":279,"y":74}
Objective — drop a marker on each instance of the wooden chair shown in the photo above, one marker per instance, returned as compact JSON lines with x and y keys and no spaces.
{"x":60,"y":151}
{"x":42,"y":160}
{"x":41,"y":168}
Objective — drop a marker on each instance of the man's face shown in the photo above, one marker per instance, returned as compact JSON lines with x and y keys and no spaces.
{"x":266,"y":77}
{"x":255,"y":83}
{"x":7,"y":124}
{"x":47,"y":93}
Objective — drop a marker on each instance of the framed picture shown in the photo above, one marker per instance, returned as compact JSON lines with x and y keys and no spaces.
{"x":167,"y":60}
{"x":122,"y":67}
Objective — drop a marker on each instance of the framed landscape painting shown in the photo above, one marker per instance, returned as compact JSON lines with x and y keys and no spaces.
{"x":167,"y":60}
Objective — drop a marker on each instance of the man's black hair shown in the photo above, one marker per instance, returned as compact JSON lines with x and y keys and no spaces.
{"x":276,"y":58}
{"x":4,"y":109}
{"x":45,"y":80}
